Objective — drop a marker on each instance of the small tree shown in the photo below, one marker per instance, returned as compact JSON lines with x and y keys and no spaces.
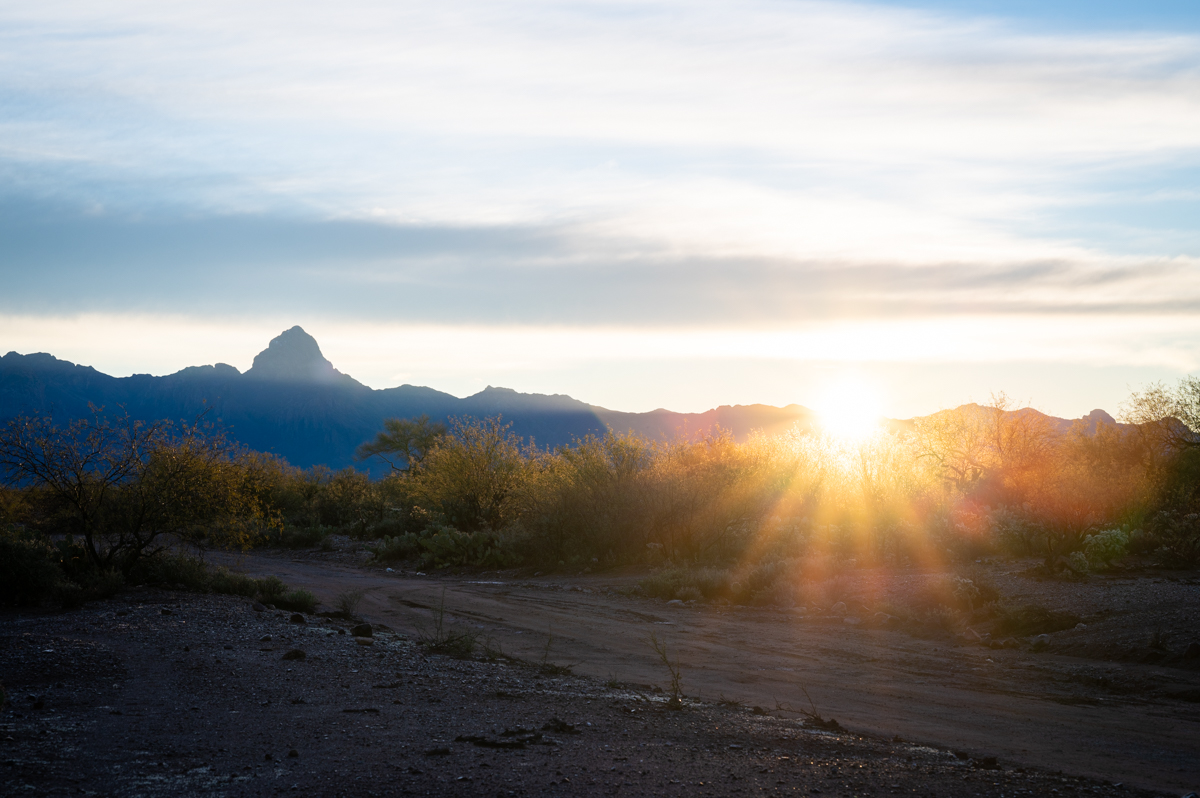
{"x":1168,"y":418}
{"x":404,"y":442}
{"x":126,"y":488}
{"x":470,"y":475}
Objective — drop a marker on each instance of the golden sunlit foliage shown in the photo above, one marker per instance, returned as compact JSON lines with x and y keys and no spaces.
{"x":961,"y":482}
{"x":128,"y":489}
{"x":949,"y":487}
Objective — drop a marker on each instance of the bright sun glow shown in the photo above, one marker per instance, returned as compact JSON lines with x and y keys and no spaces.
{"x":849,"y":408}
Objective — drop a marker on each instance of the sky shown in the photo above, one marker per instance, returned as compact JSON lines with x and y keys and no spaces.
{"x":652,"y":204}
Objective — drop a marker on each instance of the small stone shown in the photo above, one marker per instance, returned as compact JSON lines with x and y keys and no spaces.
{"x":1010,"y":642}
{"x":265,"y":639}
{"x":298,"y":618}
{"x":229,"y":648}
{"x":293,"y":753}
{"x":972,"y":635}
{"x":187,"y":648}
{"x":1079,"y":627}
{"x":1192,"y":652}
{"x":362,"y":630}
{"x":259,"y":607}
{"x":165,"y":611}
{"x":560,"y":727}
{"x":850,"y":620}
{"x":1040,"y":642}
{"x":295,"y":653}
{"x":341,"y":631}
{"x":267,"y":758}
{"x":364,"y":641}
{"x":881,"y":618}
{"x":675,"y":602}
{"x":838,"y":609}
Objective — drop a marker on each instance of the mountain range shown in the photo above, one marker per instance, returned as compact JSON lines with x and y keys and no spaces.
{"x":294,"y":403}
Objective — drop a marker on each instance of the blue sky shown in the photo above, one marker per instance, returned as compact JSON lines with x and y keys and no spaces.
{"x":1152,"y":16}
{"x":677,"y":204}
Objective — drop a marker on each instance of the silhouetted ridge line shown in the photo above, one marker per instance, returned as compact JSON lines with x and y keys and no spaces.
{"x":294,"y":403}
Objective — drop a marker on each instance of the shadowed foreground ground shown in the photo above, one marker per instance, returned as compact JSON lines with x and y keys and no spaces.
{"x":1090,"y":704}
{"x":164,"y":693}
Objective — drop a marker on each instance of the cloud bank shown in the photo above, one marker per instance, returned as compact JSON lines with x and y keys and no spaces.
{"x":710,"y":170}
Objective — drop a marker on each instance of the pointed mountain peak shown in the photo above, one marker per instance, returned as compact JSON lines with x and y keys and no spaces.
{"x":295,"y":356}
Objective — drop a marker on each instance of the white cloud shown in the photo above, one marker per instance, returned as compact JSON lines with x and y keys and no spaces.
{"x":791,"y":166}
{"x":908,"y":119}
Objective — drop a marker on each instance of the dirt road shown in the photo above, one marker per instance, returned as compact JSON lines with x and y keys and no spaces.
{"x":1036,"y":709}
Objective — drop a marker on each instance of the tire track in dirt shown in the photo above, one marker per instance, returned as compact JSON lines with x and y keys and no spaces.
{"x":1009,"y":704}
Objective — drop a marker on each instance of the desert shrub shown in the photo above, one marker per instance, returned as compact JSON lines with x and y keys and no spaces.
{"x":399,"y":547}
{"x":172,"y":569}
{"x":781,"y":593}
{"x":1031,"y":619}
{"x":231,"y":583}
{"x":123,"y":488}
{"x":296,"y":601}
{"x":956,"y":593}
{"x":711,"y":582}
{"x":1014,"y":532}
{"x":587,"y":500}
{"x":104,"y":584}
{"x":941,"y":620}
{"x":310,"y":499}
{"x":393,"y":524}
{"x":1177,"y":539}
{"x":443,"y":546}
{"x":29,"y":568}
{"x":1099,"y":551}
{"x":441,"y":638}
{"x":470,"y":477}
{"x":664,"y":584}
{"x":348,"y":601}
{"x":348,"y":500}
{"x":303,"y":537}
{"x":270,"y":589}
{"x":696,"y":583}
{"x":705,"y":498}
{"x":764,"y":583}
{"x":195,"y":575}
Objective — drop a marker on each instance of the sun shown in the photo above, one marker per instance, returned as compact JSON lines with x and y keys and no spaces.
{"x":848,"y":408}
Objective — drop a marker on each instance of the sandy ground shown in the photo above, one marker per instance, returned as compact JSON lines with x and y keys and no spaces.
{"x":1103,"y":714}
{"x":164,"y":693}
